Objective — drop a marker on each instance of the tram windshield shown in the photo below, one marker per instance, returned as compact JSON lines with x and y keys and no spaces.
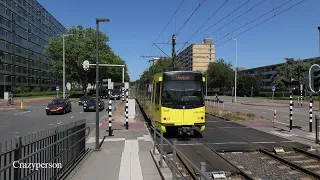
{"x":176,"y":94}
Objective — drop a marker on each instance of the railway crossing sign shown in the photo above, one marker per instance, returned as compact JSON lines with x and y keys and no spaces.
{"x":273,"y":88}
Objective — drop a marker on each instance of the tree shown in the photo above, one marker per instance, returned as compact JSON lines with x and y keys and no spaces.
{"x":80,"y":46}
{"x":292,"y":70}
{"x":220,"y":75}
{"x":162,"y":65}
{"x":245,"y":83}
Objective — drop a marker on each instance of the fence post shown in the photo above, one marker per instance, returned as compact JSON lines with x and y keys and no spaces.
{"x":174,"y":152}
{"x":161,"y":149}
{"x":310,"y":113}
{"x":203,"y":169}
{"x":317,"y":129}
{"x":55,"y":152}
{"x":17,"y":156}
{"x":154,"y":140}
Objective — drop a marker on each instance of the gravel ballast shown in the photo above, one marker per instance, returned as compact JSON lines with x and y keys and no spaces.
{"x":266,"y":168}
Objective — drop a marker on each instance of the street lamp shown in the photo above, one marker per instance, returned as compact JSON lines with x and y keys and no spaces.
{"x":319,"y":39}
{"x":97,"y":79}
{"x":64,"y":66}
{"x":235,"y":71}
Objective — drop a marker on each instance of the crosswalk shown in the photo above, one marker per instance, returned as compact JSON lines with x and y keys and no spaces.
{"x":142,"y":138}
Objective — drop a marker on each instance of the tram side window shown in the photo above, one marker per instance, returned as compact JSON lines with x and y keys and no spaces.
{"x":157,"y":93}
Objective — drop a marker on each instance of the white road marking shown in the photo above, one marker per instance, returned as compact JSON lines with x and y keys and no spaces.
{"x":271,"y":109}
{"x":286,"y":116}
{"x":81,"y":112}
{"x":50,"y":124}
{"x":246,"y":109}
{"x":130,"y":154}
{"x":282,"y":134}
{"x":233,"y":107}
{"x":22,"y":113}
{"x":264,"y":112}
{"x":59,"y":122}
{"x":71,"y":116}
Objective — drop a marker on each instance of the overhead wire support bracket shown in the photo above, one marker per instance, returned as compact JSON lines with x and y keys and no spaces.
{"x":161,"y":50}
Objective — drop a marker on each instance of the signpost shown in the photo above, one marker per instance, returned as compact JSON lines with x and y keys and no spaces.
{"x":57,"y":89}
{"x":273,"y":89}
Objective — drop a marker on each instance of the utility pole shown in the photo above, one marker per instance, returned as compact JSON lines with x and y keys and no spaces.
{"x":173,"y":49}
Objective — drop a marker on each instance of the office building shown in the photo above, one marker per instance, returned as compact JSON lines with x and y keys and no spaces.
{"x":25,"y":28}
{"x":268,"y":74}
{"x":196,"y":57}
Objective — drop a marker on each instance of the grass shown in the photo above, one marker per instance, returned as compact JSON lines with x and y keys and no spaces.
{"x":234,"y":116}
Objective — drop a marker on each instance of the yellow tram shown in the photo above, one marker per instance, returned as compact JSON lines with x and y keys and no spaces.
{"x":177,"y":101}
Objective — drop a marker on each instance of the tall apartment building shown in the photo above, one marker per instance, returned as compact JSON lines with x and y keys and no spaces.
{"x":25,"y":28}
{"x":196,"y":57}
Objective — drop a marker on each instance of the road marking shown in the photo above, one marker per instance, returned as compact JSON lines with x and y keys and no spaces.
{"x":233,"y":107}
{"x":264,"y":112}
{"x":22,"y":113}
{"x":130,"y":154}
{"x":50,"y":124}
{"x":264,"y":142}
{"x":81,"y":112}
{"x":282,"y":122}
{"x":271,"y":109}
{"x":282,"y":134}
{"x":59,"y":122}
{"x":246,"y":109}
{"x":71,"y":116}
{"x":286,"y":116}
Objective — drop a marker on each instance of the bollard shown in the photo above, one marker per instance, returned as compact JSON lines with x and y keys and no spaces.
{"x":21,"y":104}
{"x":290,"y":110}
{"x":301,"y":97}
{"x":203,"y":169}
{"x":274,"y":116}
{"x":161,"y":149}
{"x":174,"y":152}
{"x":317,"y":129}
{"x":127,"y":110}
{"x":110,"y":117}
{"x":154,"y":140}
{"x":310,"y":113}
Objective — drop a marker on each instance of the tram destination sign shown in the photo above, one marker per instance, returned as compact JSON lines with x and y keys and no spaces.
{"x":182,"y":76}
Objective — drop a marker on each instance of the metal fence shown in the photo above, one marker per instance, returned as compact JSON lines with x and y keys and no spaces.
{"x":48,"y":154}
{"x":173,"y":161}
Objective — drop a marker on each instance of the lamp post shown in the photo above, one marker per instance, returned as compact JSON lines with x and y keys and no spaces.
{"x":235,"y":71}
{"x":319,"y":39}
{"x":97,"y":79}
{"x":64,"y":66}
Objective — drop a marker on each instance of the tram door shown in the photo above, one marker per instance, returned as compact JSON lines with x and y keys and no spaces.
{"x":157,"y":103}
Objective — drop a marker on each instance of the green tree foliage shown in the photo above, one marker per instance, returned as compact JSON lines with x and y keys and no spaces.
{"x":291,"y":69}
{"x":80,"y":46}
{"x":220,"y":75}
{"x":245,"y":83}
{"x":162,"y":65}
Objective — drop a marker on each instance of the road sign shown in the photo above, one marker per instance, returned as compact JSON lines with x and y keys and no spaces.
{"x":273,"y":88}
{"x":86,"y":65}
{"x":68,"y":86}
{"x":301,"y":87}
{"x":57,"y":88}
{"x":126,"y":85}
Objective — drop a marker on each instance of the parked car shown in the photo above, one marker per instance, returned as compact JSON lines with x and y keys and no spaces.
{"x":83,"y":100}
{"x":115,"y":94}
{"x":59,"y":106}
{"x":90,"y":105}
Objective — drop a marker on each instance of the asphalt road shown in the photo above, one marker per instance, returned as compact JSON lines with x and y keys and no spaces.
{"x":33,"y":119}
{"x":300,"y":116}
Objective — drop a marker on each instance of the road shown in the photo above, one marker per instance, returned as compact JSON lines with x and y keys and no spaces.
{"x":300,"y":115}
{"x":16,"y":123}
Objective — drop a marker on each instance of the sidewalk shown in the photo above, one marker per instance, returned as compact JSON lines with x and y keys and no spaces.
{"x":123,"y":156}
{"x":301,"y":135}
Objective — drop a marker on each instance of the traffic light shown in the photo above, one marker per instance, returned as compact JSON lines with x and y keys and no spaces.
{"x":316,"y":80}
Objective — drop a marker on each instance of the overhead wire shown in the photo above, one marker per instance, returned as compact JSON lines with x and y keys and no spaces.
{"x":235,"y":10}
{"x":237,"y":17}
{"x":263,"y":21}
{"x":166,"y":25}
{"x":180,"y":29}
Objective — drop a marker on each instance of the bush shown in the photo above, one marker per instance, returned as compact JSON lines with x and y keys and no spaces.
{"x":43,"y":93}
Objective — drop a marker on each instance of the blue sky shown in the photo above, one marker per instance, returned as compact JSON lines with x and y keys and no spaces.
{"x":135,"y":25}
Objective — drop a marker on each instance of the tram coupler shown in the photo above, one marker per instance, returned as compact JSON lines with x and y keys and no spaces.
{"x":185,"y":130}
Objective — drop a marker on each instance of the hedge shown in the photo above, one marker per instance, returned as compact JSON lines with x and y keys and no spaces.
{"x":44,"y":93}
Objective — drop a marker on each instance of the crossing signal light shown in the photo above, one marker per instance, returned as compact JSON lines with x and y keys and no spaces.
{"x":316,"y":80}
